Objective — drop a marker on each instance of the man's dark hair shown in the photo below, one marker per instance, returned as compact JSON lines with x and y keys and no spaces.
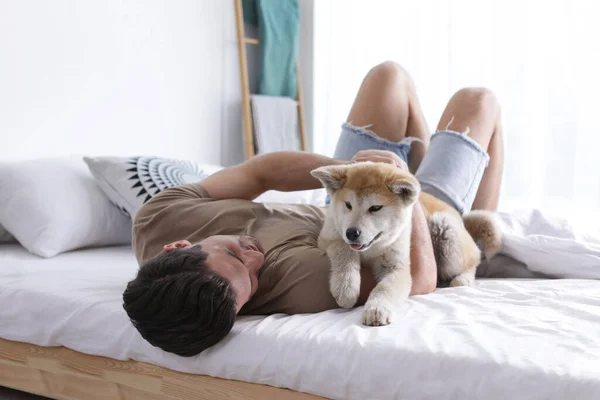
{"x":179,"y":304}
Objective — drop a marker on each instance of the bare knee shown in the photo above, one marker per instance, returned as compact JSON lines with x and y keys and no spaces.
{"x":391,"y":72}
{"x":475,"y":111}
{"x":478,"y":99}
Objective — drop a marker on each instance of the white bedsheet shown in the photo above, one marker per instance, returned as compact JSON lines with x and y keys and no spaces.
{"x":503,"y":339}
{"x":550,"y":245}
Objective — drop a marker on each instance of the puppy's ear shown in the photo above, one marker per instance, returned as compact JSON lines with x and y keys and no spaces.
{"x":331,"y":177}
{"x":407,"y":188}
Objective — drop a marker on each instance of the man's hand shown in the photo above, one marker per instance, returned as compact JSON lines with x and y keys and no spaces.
{"x":381,"y":156}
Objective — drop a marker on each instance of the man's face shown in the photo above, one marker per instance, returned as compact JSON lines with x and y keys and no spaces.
{"x":236,"y":258}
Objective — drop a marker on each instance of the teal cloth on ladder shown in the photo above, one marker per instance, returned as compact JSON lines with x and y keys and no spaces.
{"x":278,"y":24}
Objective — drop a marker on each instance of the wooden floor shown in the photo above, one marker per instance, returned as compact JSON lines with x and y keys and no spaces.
{"x":61,"y":373}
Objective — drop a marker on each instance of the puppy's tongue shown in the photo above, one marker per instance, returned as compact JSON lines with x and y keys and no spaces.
{"x":356,"y":246}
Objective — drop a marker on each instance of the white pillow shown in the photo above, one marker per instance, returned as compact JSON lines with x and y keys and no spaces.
{"x":129,"y":182}
{"x":54,"y":205}
{"x":5,"y":236}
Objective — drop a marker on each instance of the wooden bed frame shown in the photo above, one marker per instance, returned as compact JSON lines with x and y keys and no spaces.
{"x":62,"y":373}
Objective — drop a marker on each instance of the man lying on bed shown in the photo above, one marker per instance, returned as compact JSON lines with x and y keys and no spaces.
{"x":208,"y":253}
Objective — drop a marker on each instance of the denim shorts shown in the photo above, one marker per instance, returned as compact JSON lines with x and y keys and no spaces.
{"x":451,"y":169}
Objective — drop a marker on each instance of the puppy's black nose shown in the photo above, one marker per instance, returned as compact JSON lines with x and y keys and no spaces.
{"x":352,"y":234}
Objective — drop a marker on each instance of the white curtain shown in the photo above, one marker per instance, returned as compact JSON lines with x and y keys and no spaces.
{"x":541,"y":58}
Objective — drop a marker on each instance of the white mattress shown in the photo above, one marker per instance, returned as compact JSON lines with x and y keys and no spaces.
{"x":536,"y":339}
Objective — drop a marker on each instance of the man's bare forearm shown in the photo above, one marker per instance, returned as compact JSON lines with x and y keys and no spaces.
{"x":422,"y":260}
{"x":288,"y":171}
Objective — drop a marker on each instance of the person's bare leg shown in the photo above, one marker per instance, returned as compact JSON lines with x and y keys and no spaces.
{"x":387,"y":101}
{"x":478,"y":110}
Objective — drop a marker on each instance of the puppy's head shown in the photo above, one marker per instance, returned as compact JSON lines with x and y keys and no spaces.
{"x":371,"y":202}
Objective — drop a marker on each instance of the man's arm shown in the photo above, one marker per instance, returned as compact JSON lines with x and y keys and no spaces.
{"x":423,"y":268}
{"x":286,"y":171}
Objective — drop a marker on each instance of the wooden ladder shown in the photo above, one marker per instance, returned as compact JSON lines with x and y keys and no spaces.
{"x":246,"y":106}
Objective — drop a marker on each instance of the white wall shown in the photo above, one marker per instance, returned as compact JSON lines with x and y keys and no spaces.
{"x":116,"y":77}
{"x":121,"y":77}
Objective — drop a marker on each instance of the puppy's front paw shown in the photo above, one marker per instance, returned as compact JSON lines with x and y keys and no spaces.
{"x":462,"y":280}
{"x":345,"y":291}
{"x":376,"y":315}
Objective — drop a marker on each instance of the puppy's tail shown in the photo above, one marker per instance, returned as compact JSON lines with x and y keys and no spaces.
{"x":445,"y":239}
{"x":483,"y":226}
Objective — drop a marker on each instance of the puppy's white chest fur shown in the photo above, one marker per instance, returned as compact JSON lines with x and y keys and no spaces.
{"x":387,"y":257}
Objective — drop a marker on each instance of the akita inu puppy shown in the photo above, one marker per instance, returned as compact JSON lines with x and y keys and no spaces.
{"x":369,"y":224}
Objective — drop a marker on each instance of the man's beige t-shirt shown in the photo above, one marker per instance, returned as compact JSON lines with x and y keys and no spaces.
{"x":295,"y":275}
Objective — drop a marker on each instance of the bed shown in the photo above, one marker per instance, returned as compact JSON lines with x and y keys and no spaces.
{"x":65,"y":335}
